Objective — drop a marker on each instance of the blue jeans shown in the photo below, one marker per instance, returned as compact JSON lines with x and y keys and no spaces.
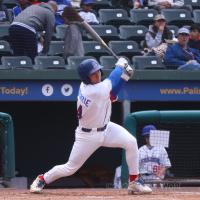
{"x":190,"y":66}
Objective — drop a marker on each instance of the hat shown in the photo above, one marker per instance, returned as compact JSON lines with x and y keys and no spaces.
{"x":159,"y":17}
{"x":183,"y":30}
{"x":85,"y":2}
{"x":146,"y":130}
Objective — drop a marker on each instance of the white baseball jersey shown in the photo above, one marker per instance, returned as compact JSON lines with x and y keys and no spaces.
{"x":94,"y":105}
{"x":151,"y":159}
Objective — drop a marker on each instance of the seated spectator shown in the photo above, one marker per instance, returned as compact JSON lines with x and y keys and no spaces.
{"x":194,"y":41}
{"x":73,"y":37}
{"x":159,"y":4}
{"x":153,"y":160}
{"x":157,"y":35}
{"x":180,"y":56}
{"x":86,"y":13}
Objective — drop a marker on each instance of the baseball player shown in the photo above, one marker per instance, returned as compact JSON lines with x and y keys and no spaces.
{"x":95,"y":128}
{"x":153,"y":160}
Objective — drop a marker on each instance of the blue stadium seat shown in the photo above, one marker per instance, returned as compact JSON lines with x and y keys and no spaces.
{"x":173,"y":29}
{"x":49,"y":62}
{"x":4,"y":30}
{"x":5,"y":49}
{"x":101,"y":4}
{"x":130,"y":32}
{"x":114,"y":16}
{"x":178,"y":17}
{"x":194,"y":3}
{"x":108,"y":62}
{"x":93,"y":48}
{"x":60,"y":31}
{"x":143,"y":16}
{"x":125,"y":48}
{"x":56,"y":48}
{"x":106,"y":32}
{"x":147,"y":62}
{"x":17,"y":62}
{"x":196,"y":14}
{"x":74,"y":61}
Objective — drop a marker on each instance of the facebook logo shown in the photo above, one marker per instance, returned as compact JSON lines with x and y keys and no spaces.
{"x":47,"y":90}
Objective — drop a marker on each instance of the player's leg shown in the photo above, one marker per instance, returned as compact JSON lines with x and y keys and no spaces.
{"x":83,"y":147}
{"x":117,"y":136}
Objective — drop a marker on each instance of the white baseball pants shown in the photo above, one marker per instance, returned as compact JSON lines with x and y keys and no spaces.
{"x":87,"y":143}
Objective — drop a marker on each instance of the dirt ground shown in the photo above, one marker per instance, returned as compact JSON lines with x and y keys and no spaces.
{"x":176,"y":193}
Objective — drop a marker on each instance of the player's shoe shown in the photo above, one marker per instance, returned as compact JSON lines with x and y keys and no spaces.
{"x":138,"y":187}
{"x":38,"y":184}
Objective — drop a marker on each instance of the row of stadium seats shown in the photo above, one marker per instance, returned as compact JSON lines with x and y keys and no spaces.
{"x":92,"y":48}
{"x":57,"y":62}
{"x":107,"y":32}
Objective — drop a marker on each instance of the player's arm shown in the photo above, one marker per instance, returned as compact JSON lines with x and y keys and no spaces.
{"x":120,"y":75}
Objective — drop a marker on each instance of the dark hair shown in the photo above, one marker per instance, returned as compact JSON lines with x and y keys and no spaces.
{"x":195,"y":27}
{"x":71,"y":14}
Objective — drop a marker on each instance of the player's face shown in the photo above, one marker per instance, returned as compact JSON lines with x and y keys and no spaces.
{"x":95,"y":77}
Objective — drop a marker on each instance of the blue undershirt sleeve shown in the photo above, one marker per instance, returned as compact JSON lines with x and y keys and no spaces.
{"x":116,"y":80}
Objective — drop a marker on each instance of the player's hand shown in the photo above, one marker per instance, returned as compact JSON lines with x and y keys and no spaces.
{"x":128,"y":73}
{"x":122,"y":62}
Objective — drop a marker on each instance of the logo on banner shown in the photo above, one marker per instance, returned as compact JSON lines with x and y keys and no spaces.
{"x":66,"y":90}
{"x":47,"y":90}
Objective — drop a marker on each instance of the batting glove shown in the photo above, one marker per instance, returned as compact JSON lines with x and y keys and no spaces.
{"x":122,"y":62}
{"x":128,"y":73}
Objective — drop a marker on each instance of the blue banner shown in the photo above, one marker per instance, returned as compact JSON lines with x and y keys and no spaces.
{"x":68,"y":91}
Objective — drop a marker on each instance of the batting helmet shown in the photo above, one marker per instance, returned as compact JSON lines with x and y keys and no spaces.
{"x":86,"y":68}
{"x":146,"y":130}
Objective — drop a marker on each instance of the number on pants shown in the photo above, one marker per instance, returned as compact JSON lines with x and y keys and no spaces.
{"x":79,"y":112}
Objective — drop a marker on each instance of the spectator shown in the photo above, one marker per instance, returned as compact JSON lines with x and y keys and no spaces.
{"x":86,"y":12}
{"x":23,"y":30}
{"x":180,"y":56}
{"x":194,"y":41}
{"x":153,"y":160}
{"x":157,"y":35}
{"x":73,"y":36}
{"x":159,"y":4}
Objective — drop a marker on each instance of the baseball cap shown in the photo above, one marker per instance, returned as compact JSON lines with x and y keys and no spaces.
{"x":159,"y":17}
{"x":183,"y":30}
{"x":146,"y":129}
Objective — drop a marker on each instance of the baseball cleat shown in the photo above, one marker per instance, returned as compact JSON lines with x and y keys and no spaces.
{"x":137,"y":187}
{"x":38,"y":184}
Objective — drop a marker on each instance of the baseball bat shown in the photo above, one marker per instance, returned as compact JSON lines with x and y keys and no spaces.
{"x":97,"y":38}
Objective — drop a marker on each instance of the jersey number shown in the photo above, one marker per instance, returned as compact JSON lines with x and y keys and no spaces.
{"x":79,"y":112}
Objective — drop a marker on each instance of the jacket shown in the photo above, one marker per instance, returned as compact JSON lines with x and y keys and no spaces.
{"x":73,"y":45}
{"x":176,"y":56}
{"x":41,"y":18}
{"x":154,"y":39}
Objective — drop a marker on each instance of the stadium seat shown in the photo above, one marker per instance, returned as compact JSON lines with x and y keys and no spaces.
{"x":93,"y":48}
{"x":106,"y":32}
{"x":10,"y":5}
{"x":114,"y":16}
{"x":136,"y":32}
{"x":178,"y":17}
{"x":196,"y":14}
{"x":142,"y":16}
{"x":147,"y":62}
{"x":4,"y":30}
{"x":173,"y":29}
{"x":60,"y":31}
{"x":49,"y":62}
{"x":125,"y":48}
{"x":108,"y":62}
{"x":5,"y":49}
{"x":17,"y":62}
{"x":101,"y":4}
{"x":74,"y":61}
{"x":56,"y":48}
{"x":194,"y":3}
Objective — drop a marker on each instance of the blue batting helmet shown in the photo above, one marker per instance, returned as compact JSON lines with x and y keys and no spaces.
{"x":146,"y":130}
{"x":86,"y":68}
